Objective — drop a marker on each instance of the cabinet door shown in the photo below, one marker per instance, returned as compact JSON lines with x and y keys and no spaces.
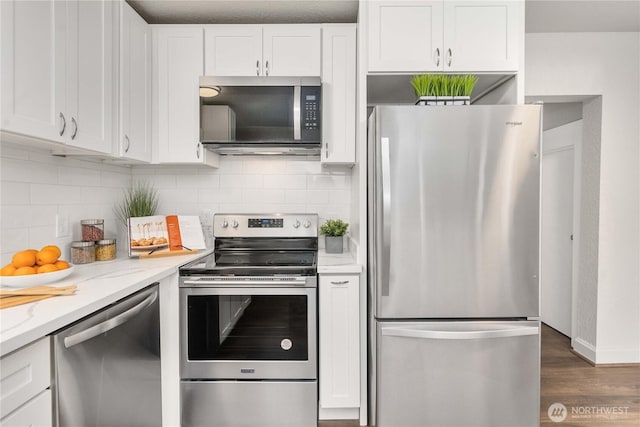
{"x":338,"y":93}
{"x":135,"y":86}
{"x":90,"y":75}
{"x":37,"y":412}
{"x":233,"y":50}
{"x":178,"y":65}
{"x":33,"y":68}
{"x":481,"y":36}
{"x":405,"y":35}
{"x":291,"y":50}
{"x":339,"y":331}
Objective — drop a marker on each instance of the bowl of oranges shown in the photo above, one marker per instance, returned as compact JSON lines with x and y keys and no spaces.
{"x":33,"y":267}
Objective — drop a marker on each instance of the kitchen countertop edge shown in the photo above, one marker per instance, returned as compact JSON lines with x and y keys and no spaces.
{"x":99,"y":285}
{"x":343,"y":263}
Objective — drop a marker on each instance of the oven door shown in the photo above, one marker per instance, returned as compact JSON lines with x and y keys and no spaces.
{"x":248,"y":333}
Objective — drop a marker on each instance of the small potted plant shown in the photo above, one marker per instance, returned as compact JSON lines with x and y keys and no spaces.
{"x":443,"y":89}
{"x":139,"y":200}
{"x":333,"y":231}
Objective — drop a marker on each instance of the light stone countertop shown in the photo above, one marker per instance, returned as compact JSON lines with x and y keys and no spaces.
{"x":99,"y":284}
{"x":343,"y":263}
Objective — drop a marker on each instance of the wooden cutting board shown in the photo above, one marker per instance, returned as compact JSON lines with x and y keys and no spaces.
{"x":8,"y":300}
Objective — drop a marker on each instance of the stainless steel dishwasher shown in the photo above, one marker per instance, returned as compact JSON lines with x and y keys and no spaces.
{"x":107,"y":365}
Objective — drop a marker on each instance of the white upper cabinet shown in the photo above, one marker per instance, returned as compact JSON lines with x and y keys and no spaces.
{"x":178,"y":63}
{"x":233,"y":50}
{"x":33,"y":73}
{"x":449,"y":36}
{"x":291,"y":50}
{"x":57,"y":71}
{"x":135,"y":86}
{"x":338,"y":93}
{"x":90,"y":74}
{"x":262,"y":50}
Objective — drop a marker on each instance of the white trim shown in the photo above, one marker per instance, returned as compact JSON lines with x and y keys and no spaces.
{"x":338,"y":413}
{"x":584,"y":349}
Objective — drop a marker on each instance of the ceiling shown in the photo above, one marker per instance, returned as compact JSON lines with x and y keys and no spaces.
{"x":541,"y":15}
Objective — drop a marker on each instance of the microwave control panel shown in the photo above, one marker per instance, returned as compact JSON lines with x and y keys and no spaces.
{"x":311,"y":112}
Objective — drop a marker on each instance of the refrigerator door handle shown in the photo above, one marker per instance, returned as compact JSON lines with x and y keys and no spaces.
{"x":385,"y":218}
{"x":460,"y":335}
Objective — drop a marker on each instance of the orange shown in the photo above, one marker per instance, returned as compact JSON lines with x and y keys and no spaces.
{"x":23,"y":271}
{"x":7,"y":270}
{"x":61,"y":265}
{"x":47,"y":268}
{"x":53,"y":248}
{"x":47,"y":256}
{"x":23,"y":259}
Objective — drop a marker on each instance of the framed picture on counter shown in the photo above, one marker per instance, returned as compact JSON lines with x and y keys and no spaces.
{"x":160,"y":235}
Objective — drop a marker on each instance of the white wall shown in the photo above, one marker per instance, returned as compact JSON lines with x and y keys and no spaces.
{"x":606,"y":64}
{"x":35,"y":186}
{"x":252,"y":184}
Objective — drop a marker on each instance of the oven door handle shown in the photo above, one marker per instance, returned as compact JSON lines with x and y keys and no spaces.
{"x":298,"y":281}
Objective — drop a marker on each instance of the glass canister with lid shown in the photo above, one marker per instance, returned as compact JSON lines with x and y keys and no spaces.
{"x":83,"y":252}
{"x":105,"y":249}
{"x":92,"y":229}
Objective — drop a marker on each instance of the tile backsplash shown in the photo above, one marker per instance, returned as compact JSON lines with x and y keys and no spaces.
{"x":36,"y":187}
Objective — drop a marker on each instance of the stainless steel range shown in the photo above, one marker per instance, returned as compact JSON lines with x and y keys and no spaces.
{"x":248,"y":326}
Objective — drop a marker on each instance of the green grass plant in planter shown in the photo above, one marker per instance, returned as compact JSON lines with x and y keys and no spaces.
{"x":439,"y":89}
{"x":141,"y":199}
{"x":333,"y":231}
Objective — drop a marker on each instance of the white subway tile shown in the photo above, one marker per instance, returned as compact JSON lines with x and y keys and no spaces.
{"x":15,"y":193}
{"x":241,"y":181}
{"x":262,"y":196}
{"x":26,"y":171}
{"x":285,"y":181}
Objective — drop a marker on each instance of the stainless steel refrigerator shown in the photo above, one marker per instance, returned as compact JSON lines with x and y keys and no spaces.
{"x":454,"y":212}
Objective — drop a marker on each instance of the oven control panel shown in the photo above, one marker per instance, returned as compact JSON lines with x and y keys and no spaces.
{"x":266,"y":222}
{"x":265,"y":225}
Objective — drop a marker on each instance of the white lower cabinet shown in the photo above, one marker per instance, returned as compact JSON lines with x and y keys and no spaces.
{"x":339,"y":331}
{"x":24,"y":380}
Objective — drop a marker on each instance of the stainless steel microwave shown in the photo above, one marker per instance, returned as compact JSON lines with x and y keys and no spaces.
{"x":261,"y":115}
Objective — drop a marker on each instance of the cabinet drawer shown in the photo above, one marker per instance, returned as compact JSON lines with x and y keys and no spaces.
{"x":24,"y":374}
{"x":37,"y":412}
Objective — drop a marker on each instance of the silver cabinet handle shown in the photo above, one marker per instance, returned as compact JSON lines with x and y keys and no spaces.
{"x":112,"y":323}
{"x":126,"y":149}
{"x":258,"y":67}
{"x":75,"y":128}
{"x":64,"y":123}
{"x":437,"y":57}
{"x":267,"y":67}
{"x":341,"y":282}
{"x":385,"y":218}
{"x":449,"y":57}
{"x":460,"y":335}
{"x":198,"y":151}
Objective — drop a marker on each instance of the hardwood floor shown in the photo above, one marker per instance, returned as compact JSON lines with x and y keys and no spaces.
{"x":602,"y":396}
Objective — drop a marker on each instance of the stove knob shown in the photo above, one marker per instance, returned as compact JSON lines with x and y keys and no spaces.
{"x":306,"y":223}
{"x":296,"y":224}
{"x":225,"y":224}
{"x":234,"y":224}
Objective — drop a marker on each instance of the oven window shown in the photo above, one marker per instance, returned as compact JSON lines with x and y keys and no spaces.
{"x":247,"y":327}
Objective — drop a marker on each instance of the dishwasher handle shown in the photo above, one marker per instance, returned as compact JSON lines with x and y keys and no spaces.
{"x":107,"y":325}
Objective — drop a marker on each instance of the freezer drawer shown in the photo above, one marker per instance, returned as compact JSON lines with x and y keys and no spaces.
{"x":457,"y":374}
{"x":249,"y":403}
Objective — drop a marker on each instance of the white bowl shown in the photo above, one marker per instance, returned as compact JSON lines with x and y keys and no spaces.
{"x":35,"y":279}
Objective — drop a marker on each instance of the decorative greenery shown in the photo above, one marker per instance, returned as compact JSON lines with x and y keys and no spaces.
{"x":443,"y":84}
{"x":335,"y":227}
{"x":139,"y":200}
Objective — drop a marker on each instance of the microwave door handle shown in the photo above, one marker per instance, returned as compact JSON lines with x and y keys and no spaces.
{"x":296,"y":113}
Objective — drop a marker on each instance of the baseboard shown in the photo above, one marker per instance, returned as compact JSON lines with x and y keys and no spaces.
{"x":338,"y":413}
{"x":584,"y":350}
{"x":599,"y":357}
